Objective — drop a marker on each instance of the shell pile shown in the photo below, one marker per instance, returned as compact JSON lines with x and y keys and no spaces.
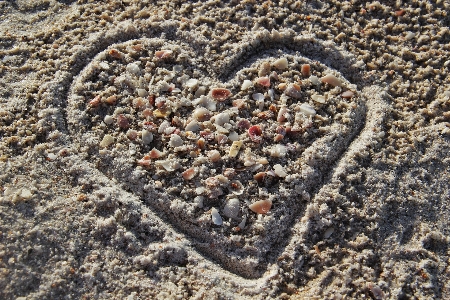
{"x":226,"y":152}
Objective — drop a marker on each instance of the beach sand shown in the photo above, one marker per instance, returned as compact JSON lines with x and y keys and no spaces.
{"x":224,"y":150}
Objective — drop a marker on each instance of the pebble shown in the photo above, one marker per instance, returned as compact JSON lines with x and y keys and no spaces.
{"x":328,"y":232}
{"x":147,"y":137}
{"x":347,"y":94}
{"x":220,"y":94}
{"x":306,"y":70}
{"x":314,"y":80}
{"x":108,"y":120}
{"x":175,"y":140}
{"x":279,"y":170}
{"x":191,"y":83}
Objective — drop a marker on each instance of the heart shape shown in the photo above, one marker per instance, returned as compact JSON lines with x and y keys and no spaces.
{"x":231,"y":163}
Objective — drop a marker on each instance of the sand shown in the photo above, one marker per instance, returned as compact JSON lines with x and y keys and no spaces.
{"x":359,"y":208}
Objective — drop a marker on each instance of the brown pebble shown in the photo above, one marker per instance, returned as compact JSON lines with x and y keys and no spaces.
{"x":122,"y":121}
{"x":306,"y":70}
{"x":115,"y":53}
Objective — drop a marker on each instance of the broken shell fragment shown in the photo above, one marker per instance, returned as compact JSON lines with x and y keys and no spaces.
{"x":331,"y":79}
{"x":122,"y":121}
{"x":220,"y":94}
{"x":255,"y":133}
{"x":163,"y":54}
{"x":201,"y":114}
{"x":95,"y":102}
{"x":318,"y":98}
{"x":347,"y":94}
{"x":261,"y":206}
{"x":279,"y":170}
{"x":259,"y":176}
{"x":281,"y":63}
{"x":215,"y":217}
{"x":234,"y":148}
{"x":175,"y":141}
{"x":155,"y":153}
{"x":236,"y":187}
{"x":307,"y":109}
{"x":214,"y":155}
{"x":293,"y":90}
{"x":246,"y":85}
{"x":106,"y":141}
{"x":188,"y":174}
{"x":264,"y":81}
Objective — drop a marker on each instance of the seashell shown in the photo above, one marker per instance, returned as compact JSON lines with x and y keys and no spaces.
{"x":261,"y":206}
{"x":278,"y":151}
{"x":145,"y":162}
{"x":293,"y":90}
{"x":147,"y":137}
{"x":215,"y":217}
{"x":279,"y":170}
{"x":138,"y":102}
{"x":307,"y":109}
{"x":106,"y":141}
{"x":246,"y":85}
{"x":282,"y":86}
{"x":115,"y":53}
{"x":255,"y":133}
{"x":265,"y":115}
{"x":108,"y":120}
{"x":314,"y":80}
{"x":95,"y":102}
{"x":191,"y":83}
{"x":147,"y":112}
{"x":234,"y":148}
{"x":282,"y":114}
{"x":239,"y":103}
{"x":122,"y":121}
{"x":229,"y":172}
{"x":231,"y":208}
{"x":331,"y":79}
{"x":347,"y":94}
{"x":233,"y":136}
{"x":258,"y":97}
{"x":264,"y":81}
{"x":175,"y":141}
{"x":306,"y":70}
{"x":236,"y":187}
{"x":132,"y":134}
{"x":168,"y":165}
{"x":211,"y":181}
{"x":259,"y":176}
{"x":189,"y":174}
{"x":278,"y":137}
{"x":274,"y":76}
{"x":201,"y":143}
{"x":162,"y":54}
{"x":281,"y":63}
{"x":264,"y":69}
{"x":222,"y":118}
{"x":243,"y":124}
{"x":201,"y":114}
{"x":318,"y":98}
{"x":133,"y":68}
{"x":155,"y":153}
{"x":221,"y":138}
{"x":111,"y":100}
{"x":161,"y":113}
{"x":214,"y":155}
{"x":192,"y":126}
{"x":220,"y":94}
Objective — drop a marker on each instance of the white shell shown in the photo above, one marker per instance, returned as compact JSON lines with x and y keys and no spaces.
{"x":246,"y":84}
{"x":222,"y":118}
{"x":281,"y":63}
{"x":191,"y":83}
{"x":231,"y":208}
{"x":175,"y":140}
{"x":258,"y":97}
{"x":192,"y":126}
{"x":215,"y":217}
{"x":279,"y":171}
{"x":307,"y":109}
{"x":318,"y":98}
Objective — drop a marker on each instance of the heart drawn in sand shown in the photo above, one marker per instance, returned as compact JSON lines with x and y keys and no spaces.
{"x":231,"y":164}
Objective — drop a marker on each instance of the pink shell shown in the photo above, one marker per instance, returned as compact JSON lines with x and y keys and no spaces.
{"x":331,"y":79}
{"x":122,"y":121}
{"x":155,"y":153}
{"x":244,"y":124}
{"x":347,"y":94}
{"x":188,"y":174}
{"x":264,"y":81}
{"x":255,"y":133}
{"x":261,"y":206}
{"x":220,"y":94}
{"x":95,"y":102}
{"x":163,"y":54}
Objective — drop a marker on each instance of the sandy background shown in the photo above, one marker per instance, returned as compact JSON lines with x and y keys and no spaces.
{"x":67,"y":230}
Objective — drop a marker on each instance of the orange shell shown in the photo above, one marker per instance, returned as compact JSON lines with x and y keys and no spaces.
{"x":261,"y":206}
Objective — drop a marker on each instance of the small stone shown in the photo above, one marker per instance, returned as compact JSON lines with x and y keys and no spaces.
{"x":147,"y":137}
{"x":306,"y":70}
{"x":108,"y":120}
{"x":188,"y":174}
{"x":191,"y":83}
{"x":263,"y":81}
{"x":307,"y":109}
{"x":328,"y":233}
{"x":318,"y":98}
{"x":293,"y":90}
{"x":222,"y":118}
{"x":175,"y":140}
{"x":26,"y":194}
{"x":258,"y":97}
{"x":192,"y":126}
{"x":314,"y":80}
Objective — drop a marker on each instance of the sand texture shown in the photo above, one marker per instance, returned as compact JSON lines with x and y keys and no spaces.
{"x":224,"y":149}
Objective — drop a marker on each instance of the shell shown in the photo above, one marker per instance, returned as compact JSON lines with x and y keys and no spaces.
{"x":331,"y":79}
{"x":220,"y":94}
{"x":318,"y":98}
{"x":243,"y":124}
{"x":293,"y":90}
{"x":259,"y":176}
{"x":115,"y":53}
{"x":307,"y":109}
{"x":234,"y":148}
{"x":306,"y":70}
{"x":111,"y":100}
{"x":201,"y":114}
{"x":261,"y":206}
{"x":255,"y":133}
{"x":214,"y":155}
{"x":264,"y":69}
{"x":236,"y":187}
{"x":215,"y":217}
{"x":189,"y":174}
{"x":264,"y":81}
{"x":95,"y":102}
{"x":347,"y":94}
{"x":246,"y":85}
{"x":162,"y":54}
{"x":155,"y":153}
{"x":122,"y":121}
{"x":281,"y":63}
{"x":231,"y":208}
